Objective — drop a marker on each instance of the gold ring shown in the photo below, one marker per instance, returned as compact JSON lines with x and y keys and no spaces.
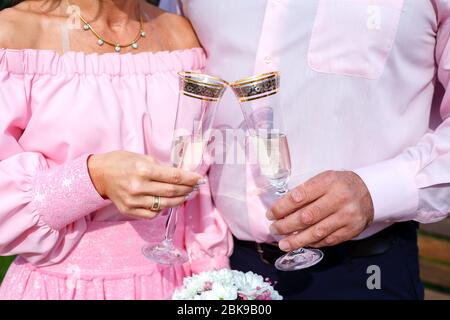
{"x":156,"y":205}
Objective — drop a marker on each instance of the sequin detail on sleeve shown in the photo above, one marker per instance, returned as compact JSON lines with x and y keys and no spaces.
{"x":65,"y":194}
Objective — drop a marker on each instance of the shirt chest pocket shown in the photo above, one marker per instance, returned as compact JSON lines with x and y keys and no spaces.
{"x":354,"y":37}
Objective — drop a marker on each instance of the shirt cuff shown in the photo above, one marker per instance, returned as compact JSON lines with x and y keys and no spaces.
{"x":393,"y":190}
{"x":65,"y":194}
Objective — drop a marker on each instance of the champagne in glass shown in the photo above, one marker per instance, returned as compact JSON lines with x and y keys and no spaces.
{"x":199,"y":97}
{"x":274,"y":160}
{"x":259,"y":100}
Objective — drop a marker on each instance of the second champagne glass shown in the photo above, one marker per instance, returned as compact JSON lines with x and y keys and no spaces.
{"x":199,"y":97}
{"x":268,"y":146}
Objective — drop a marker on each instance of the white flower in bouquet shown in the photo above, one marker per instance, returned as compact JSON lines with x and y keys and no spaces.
{"x":253,"y":285}
{"x":226,"y":284}
{"x":220,"y":292}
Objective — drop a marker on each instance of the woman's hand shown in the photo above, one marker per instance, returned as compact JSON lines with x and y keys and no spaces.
{"x":132,"y":180}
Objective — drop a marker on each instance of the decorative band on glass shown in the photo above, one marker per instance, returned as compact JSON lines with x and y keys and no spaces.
{"x":202,"y":86}
{"x":257,"y":87}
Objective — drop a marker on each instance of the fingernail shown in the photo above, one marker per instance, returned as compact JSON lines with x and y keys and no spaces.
{"x":270,"y":215}
{"x":284,"y":245}
{"x":273,"y":230}
{"x":196,"y":187}
{"x":188,"y":197}
{"x":201,"y":182}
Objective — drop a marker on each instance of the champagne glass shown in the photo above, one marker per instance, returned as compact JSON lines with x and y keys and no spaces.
{"x":199,"y":97}
{"x":268,"y":146}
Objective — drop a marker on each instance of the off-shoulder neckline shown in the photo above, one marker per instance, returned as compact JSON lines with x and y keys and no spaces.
{"x":49,"y":62}
{"x":106,"y":54}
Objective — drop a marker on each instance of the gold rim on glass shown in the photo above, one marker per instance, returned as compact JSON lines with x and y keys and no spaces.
{"x":256,"y":87}
{"x":256,"y":78}
{"x":191,"y":76}
{"x":202,"y":86}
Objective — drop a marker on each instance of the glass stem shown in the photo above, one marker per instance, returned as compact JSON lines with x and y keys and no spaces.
{"x":171,"y":224}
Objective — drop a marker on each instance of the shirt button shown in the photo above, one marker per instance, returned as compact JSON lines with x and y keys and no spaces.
{"x":268,"y":60}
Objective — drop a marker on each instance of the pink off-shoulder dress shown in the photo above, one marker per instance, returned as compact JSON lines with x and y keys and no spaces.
{"x":56,"y":110}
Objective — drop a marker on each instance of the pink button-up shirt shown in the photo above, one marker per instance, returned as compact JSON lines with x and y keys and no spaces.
{"x":359,"y":82}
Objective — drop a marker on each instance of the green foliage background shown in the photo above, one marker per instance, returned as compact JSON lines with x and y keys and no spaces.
{"x":4,"y":264}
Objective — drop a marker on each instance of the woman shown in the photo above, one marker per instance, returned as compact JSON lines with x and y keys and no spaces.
{"x":85,"y":128}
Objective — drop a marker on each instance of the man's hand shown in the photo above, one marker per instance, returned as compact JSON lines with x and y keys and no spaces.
{"x":332,"y":207}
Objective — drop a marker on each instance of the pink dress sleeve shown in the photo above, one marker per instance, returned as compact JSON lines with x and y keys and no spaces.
{"x":207,"y":238}
{"x":44,"y":208}
{"x":415,"y":185}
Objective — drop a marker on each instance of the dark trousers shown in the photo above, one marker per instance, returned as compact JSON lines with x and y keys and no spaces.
{"x":341,"y":276}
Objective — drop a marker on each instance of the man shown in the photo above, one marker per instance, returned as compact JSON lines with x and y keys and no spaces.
{"x":359,"y":79}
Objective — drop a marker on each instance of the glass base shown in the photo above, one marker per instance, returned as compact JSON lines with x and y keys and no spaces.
{"x":165,"y":253}
{"x":299,"y":259}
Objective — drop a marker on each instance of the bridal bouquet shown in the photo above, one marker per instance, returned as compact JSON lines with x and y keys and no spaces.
{"x":226,"y":284}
